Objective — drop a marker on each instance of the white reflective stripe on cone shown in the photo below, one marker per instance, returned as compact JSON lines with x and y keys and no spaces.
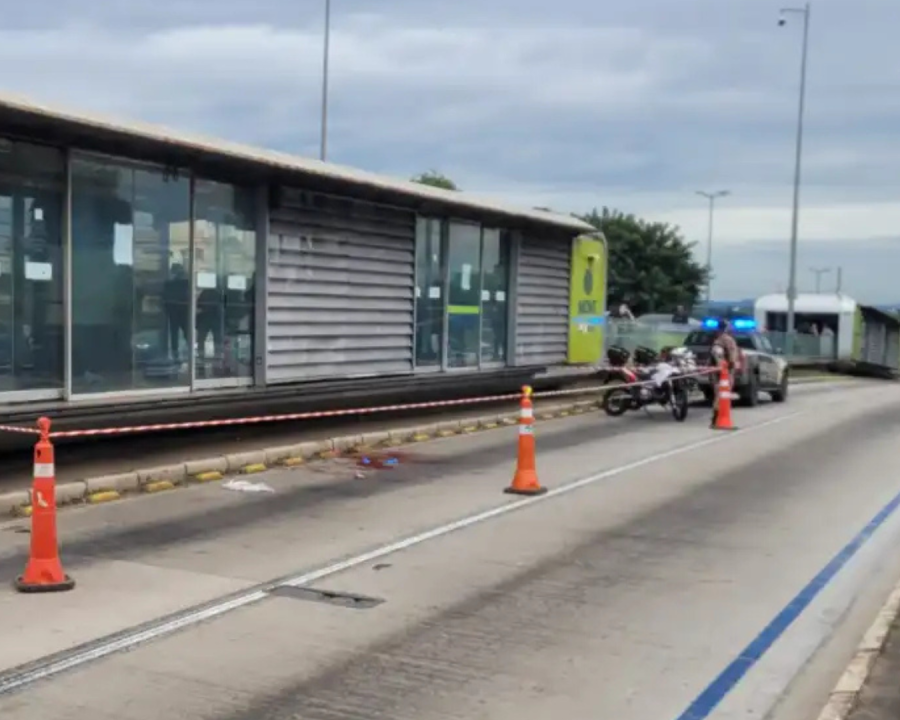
{"x":527,"y":412}
{"x":526,"y":430}
{"x":44,"y":470}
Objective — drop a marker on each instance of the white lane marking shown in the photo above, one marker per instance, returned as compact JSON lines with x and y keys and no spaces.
{"x":128,"y":640}
{"x":501,"y":510}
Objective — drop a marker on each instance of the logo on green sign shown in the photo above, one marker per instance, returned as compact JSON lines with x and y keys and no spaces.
{"x":588,"y":283}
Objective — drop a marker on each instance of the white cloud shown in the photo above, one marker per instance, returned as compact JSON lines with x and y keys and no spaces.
{"x":573,"y":104}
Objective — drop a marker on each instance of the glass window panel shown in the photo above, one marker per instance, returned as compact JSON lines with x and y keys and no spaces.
{"x":32,"y":188}
{"x":130,"y":289}
{"x":429,"y":292}
{"x":464,"y":302}
{"x":495,"y":260}
{"x":225,"y":273}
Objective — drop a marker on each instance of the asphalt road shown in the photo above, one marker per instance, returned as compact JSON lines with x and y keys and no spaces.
{"x":77,"y":459}
{"x":670,"y":573}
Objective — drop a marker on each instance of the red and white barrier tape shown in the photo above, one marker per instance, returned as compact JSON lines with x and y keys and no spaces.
{"x":20,"y":430}
{"x":601,"y":388}
{"x":315,"y":415}
{"x":255,"y":420}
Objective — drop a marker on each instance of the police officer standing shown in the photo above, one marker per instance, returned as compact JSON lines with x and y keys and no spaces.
{"x":724,"y":340}
{"x":724,"y":347}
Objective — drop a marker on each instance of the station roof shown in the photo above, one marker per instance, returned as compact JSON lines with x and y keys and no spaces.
{"x":71,"y":127}
{"x":807,"y":303}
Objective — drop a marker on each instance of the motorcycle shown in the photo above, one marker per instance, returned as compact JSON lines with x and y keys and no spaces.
{"x":662,"y":381}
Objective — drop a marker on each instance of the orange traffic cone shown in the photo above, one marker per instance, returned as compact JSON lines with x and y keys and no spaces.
{"x":721,"y":419}
{"x":525,"y":481}
{"x":44,"y":572}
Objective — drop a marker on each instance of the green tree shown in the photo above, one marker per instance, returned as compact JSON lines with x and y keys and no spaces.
{"x":435,"y":179}
{"x":651,"y":266}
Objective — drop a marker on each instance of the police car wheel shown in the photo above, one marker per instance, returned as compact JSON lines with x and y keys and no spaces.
{"x":780,"y":395}
{"x":750,"y":392}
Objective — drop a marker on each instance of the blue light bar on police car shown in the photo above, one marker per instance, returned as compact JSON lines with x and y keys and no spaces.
{"x":736,"y":323}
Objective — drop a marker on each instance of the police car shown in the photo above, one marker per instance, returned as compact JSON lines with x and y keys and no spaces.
{"x":760,"y":368}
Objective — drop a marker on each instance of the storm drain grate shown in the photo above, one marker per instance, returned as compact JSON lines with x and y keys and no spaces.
{"x":347,"y":600}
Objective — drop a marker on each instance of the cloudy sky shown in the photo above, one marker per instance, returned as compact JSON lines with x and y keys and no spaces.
{"x":570,"y":104}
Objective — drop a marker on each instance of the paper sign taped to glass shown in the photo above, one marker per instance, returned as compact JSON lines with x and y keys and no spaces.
{"x":38,"y":271}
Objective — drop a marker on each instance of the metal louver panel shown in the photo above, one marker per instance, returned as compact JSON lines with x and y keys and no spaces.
{"x":542,"y":302}
{"x":892,"y":349}
{"x":340,"y":288}
{"x":873,"y":344}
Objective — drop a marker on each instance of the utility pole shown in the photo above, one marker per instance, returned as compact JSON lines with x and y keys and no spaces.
{"x":795,"y":218}
{"x":323,"y":148}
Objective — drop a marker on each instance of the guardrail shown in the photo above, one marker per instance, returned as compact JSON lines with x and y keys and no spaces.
{"x":631,"y":334}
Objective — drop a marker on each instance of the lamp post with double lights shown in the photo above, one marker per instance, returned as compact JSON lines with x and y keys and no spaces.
{"x":712,"y":197}
{"x":819,"y":272}
{"x":795,"y":217}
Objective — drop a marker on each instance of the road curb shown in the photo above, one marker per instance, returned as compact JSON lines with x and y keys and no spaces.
{"x":108,"y":488}
{"x":845,"y":695}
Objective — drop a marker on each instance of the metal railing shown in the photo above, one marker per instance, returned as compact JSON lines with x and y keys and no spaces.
{"x":631,"y":334}
{"x":806,"y":346}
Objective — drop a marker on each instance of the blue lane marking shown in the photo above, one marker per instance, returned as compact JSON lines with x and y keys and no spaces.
{"x":715,"y":692}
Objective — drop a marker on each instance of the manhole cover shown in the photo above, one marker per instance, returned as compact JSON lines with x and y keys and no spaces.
{"x":347,"y":600}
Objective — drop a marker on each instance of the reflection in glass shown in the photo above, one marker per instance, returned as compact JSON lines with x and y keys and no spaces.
{"x":464,"y":302}
{"x":130,"y":288}
{"x":429,"y":292}
{"x":32,"y":182}
{"x":495,"y":260}
{"x":224,"y":269}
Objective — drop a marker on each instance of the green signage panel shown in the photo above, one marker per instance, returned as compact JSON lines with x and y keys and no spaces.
{"x":587,"y":299}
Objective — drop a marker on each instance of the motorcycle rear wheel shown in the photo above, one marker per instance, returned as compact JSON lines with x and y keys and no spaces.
{"x":616,"y":402}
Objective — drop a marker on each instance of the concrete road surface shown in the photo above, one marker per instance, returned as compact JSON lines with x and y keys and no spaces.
{"x":670,"y":573}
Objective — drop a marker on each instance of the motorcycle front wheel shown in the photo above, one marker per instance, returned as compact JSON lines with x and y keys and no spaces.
{"x":680,"y":403}
{"x":616,"y":402}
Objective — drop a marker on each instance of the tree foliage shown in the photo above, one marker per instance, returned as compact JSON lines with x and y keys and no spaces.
{"x":435,"y":179}
{"x":651,"y":266}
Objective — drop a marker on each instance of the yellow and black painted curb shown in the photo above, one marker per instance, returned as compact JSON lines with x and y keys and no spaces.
{"x":107,"y":489}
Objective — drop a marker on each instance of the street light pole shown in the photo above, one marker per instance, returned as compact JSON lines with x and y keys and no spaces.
{"x":709,"y":241}
{"x":325,"y":53}
{"x":795,"y":218}
{"x":819,"y":272}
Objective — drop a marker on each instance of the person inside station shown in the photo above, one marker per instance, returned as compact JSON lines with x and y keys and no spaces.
{"x":176,"y":296}
{"x":621,"y":311}
{"x":680,"y":316}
